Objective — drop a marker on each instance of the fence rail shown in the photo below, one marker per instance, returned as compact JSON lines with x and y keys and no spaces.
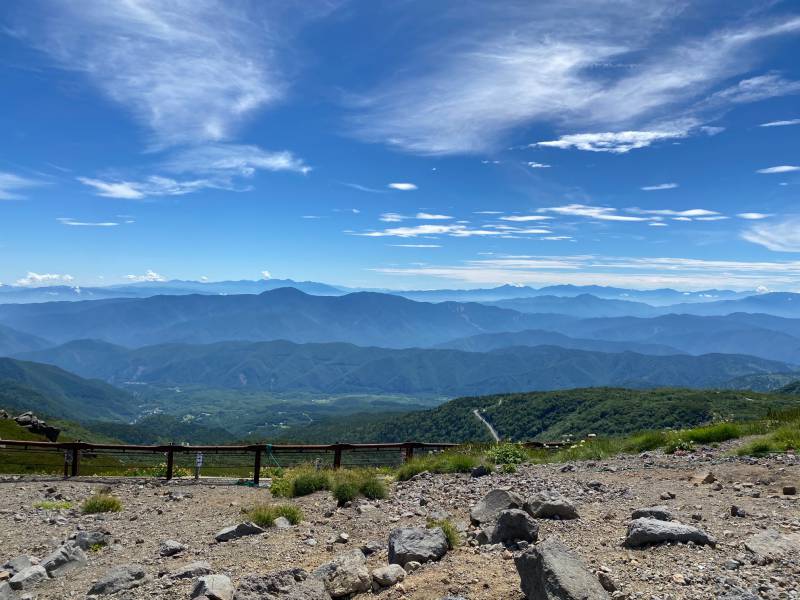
{"x":101,"y":458}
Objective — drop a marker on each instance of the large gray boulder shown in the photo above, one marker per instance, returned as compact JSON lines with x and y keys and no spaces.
{"x":63,"y":560}
{"x":416,"y":544}
{"x":345,"y":575}
{"x":660,"y":513}
{"x":28,"y":578}
{"x":124,"y":577}
{"x":550,"y":504}
{"x":491,"y":504}
{"x":770,"y":546}
{"x":6,"y":593}
{"x":513,"y":525}
{"x":291,"y":584}
{"x":237,"y":531}
{"x":549,"y":571}
{"x":213,"y":587}
{"x":642,"y":532}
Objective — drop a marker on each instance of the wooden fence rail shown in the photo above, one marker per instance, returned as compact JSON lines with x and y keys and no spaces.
{"x":73,"y":451}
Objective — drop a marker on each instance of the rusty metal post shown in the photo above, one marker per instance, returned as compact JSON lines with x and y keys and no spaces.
{"x":337,"y":456}
{"x":170,"y":462}
{"x":409,"y":452}
{"x":257,"y":468}
{"x":76,"y":457}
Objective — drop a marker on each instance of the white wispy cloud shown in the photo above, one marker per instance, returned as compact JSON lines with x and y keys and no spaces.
{"x":487,"y":80}
{"x":229,"y":160}
{"x":266,"y":275}
{"x":781,"y":123}
{"x":363,"y":188}
{"x":537,"y":165}
{"x":392,"y":217}
{"x":525,"y":218}
{"x":36,"y":279}
{"x":454,"y":230}
{"x":151,"y":186}
{"x":416,"y":245}
{"x":660,"y":186}
{"x":757,"y":88}
{"x":190,"y":70}
{"x":698,"y":213}
{"x":753,"y":216}
{"x":601,"y":213}
{"x":11,"y":185}
{"x":73,"y":223}
{"x":432,"y":217}
{"x":779,"y":169}
{"x":680,"y":273}
{"x":149,"y":276}
{"x":783,"y":236}
{"x":403,"y":187}
{"x":619,"y":142}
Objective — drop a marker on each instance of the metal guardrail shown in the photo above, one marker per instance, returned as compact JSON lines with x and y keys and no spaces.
{"x":243,"y":456}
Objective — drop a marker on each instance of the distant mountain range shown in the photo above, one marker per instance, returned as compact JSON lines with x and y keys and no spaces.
{"x":13,"y":341}
{"x":362,"y":318}
{"x":336,"y":368}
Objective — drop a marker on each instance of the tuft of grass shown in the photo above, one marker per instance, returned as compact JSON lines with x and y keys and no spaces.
{"x":53,"y":505}
{"x":646,"y":441}
{"x":264,"y":515}
{"x":345,"y":491}
{"x":450,"y":531}
{"x":373,"y":488}
{"x":96,"y":547}
{"x":443,"y":462}
{"x":507,"y":454}
{"x":300,"y":481}
{"x":719,"y":432}
{"x":101,"y":503}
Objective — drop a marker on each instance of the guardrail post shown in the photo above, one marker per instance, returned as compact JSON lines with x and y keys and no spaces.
{"x":337,"y":456}
{"x":76,"y":457}
{"x":170,"y":462}
{"x":257,"y":468}
{"x":409,"y":452}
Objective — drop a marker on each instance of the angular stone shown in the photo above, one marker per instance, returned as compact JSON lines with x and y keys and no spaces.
{"x":772,"y":546}
{"x":195,"y":569}
{"x":170,"y":548}
{"x":549,"y":571}
{"x":237,"y":531}
{"x":550,"y":504}
{"x":660,"y":513}
{"x":492,"y":503}
{"x":28,"y":578}
{"x":6,"y":593}
{"x":64,"y":560}
{"x":85,"y":540}
{"x":213,"y":587}
{"x":124,"y":577}
{"x":388,"y":575}
{"x":652,"y":531}
{"x":345,"y":575}
{"x":20,"y":563}
{"x":513,"y":525}
{"x":416,"y":544}
{"x":291,"y":584}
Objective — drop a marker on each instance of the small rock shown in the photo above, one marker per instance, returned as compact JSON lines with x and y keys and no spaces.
{"x":195,"y":569}
{"x":789,"y":490}
{"x":661,"y":513}
{"x":549,"y":571}
{"x":120,"y":578}
{"x":388,"y":575}
{"x":652,"y":531}
{"x":491,"y":504}
{"x":416,"y":543}
{"x":550,"y":504}
{"x":282,"y":523}
{"x":213,"y":587}
{"x":170,"y":548}
{"x":237,"y":531}
{"x":86,"y":540}
{"x":346,"y":575}
{"x":513,"y":525}
{"x":64,"y":560}
{"x":28,"y":578}
{"x":290,"y":584}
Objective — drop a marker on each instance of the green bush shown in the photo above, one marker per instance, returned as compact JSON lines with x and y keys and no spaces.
{"x":300,"y":481}
{"x":101,"y":503}
{"x":507,"y":454}
{"x":450,"y":531}
{"x":345,"y":491}
{"x":264,"y":515}
{"x":756,"y":448}
{"x":676,"y":442}
{"x":444,"y":462}
{"x":373,"y":488}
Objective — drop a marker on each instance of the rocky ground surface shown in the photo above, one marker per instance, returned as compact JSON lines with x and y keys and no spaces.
{"x":751,"y":526}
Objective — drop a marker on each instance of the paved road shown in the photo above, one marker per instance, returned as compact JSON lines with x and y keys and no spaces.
{"x":491,"y":429}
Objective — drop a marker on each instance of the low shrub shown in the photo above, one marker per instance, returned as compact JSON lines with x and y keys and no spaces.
{"x":300,"y":481}
{"x":645,"y":441}
{"x":264,"y":515}
{"x":507,"y":454}
{"x":101,"y":503}
{"x":444,"y":462}
{"x":373,"y":488}
{"x":345,"y":491}
{"x":676,"y":442}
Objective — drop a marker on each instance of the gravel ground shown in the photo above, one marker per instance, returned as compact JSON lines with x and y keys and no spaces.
{"x":605,"y":493}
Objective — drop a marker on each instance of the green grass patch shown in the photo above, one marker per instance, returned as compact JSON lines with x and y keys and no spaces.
{"x":443,"y":462}
{"x":716,"y":433}
{"x":101,"y":503}
{"x":450,"y":531}
{"x":264,"y":515}
{"x":507,"y":454}
{"x":53,"y":505}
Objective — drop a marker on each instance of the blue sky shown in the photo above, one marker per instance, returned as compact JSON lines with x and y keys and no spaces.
{"x":401,"y":144}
